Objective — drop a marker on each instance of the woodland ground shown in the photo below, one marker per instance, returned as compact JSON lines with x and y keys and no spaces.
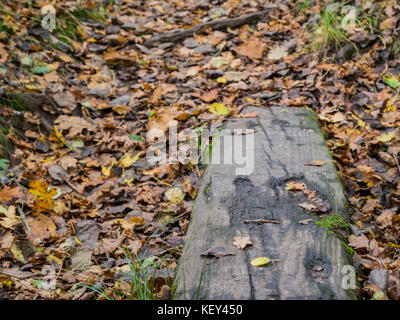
{"x":76,"y":103}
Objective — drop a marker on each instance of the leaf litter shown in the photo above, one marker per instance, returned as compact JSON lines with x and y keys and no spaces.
{"x":80,"y":196}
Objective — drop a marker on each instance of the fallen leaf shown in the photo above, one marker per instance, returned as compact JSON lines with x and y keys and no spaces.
{"x":305,"y":221}
{"x":242,"y":242}
{"x":308,"y":206}
{"x":217,"y":252}
{"x":277,"y":53}
{"x":209,"y":95}
{"x":294,"y":186}
{"x":127,"y":160}
{"x":218,"y":109}
{"x":7,"y":194}
{"x":10,"y":219}
{"x":174,"y":195}
{"x":261,"y":261}
{"x":81,"y":258}
{"x":316,"y":163}
{"x":385,"y":137}
{"x":42,"y":228}
{"x":252,"y":48}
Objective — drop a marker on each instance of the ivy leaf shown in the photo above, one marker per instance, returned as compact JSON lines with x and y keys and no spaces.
{"x":3,"y":164}
{"x":135,"y":137}
{"x":40,"y":70}
{"x":392,"y":81}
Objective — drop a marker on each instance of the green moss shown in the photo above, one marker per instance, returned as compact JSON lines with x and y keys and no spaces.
{"x":348,"y":249}
{"x":333,"y":222}
{"x":207,"y":189}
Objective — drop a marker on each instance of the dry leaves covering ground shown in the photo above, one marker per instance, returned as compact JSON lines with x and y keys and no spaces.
{"x":82,"y":197}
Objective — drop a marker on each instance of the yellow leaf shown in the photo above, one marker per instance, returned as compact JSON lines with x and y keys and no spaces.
{"x":385,"y":137}
{"x":261,"y":261}
{"x":138,"y":221}
{"x":250,"y":100}
{"x":218,"y":109}
{"x":17,"y":253}
{"x":81,"y":31}
{"x":129,"y":181}
{"x":44,"y":201}
{"x":59,"y":135}
{"x":221,"y":79}
{"x":174,"y":195}
{"x":362,"y":124}
{"x":127,"y":160}
{"x":107,"y":170}
{"x":48,"y":159}
{"x":54,"y":258}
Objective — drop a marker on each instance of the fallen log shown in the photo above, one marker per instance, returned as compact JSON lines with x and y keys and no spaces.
{"x":311,"y":257}
{"x":176,"y":35}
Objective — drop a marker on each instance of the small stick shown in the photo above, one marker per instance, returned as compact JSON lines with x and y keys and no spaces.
{"x":22,"y":214}
{"x":397,"y":162}
{"x":261,"y":221}
{"x":179,"y":34}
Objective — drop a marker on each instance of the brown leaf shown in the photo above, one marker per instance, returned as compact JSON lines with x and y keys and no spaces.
{"x":294,"y":186}
{"x":308,"y":206}
{"x":252,"y":48}
{"x":217,"y":252}
{"x":385,"y":218}
{"x":42,"y":227}
{"x":161,"y":120}
{"x":209,"y":95}
{"x":242,"y":242}
{"x":161,"y":90}
{"x":316,"y":163}
{"x":7,"y":194}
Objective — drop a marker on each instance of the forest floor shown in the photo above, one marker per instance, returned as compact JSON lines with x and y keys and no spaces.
{"x":80,"y":204}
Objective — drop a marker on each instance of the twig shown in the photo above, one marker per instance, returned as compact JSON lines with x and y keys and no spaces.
{"x":176,"y":35}
{"x":22,"y":214}
{"x":395,"y":159}
{"x":261,"y":221}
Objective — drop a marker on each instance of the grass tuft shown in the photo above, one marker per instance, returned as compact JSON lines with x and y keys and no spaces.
{"x":139,"y":283}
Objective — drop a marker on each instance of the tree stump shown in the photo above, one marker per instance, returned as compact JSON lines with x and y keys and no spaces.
{"x":311,"y":257}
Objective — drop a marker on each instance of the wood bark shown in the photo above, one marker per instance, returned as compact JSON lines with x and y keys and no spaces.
{"x":310,"y":257}
{"x":176,"y":35}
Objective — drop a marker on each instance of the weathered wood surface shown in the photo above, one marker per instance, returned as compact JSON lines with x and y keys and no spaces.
{"x":311,"y":259}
